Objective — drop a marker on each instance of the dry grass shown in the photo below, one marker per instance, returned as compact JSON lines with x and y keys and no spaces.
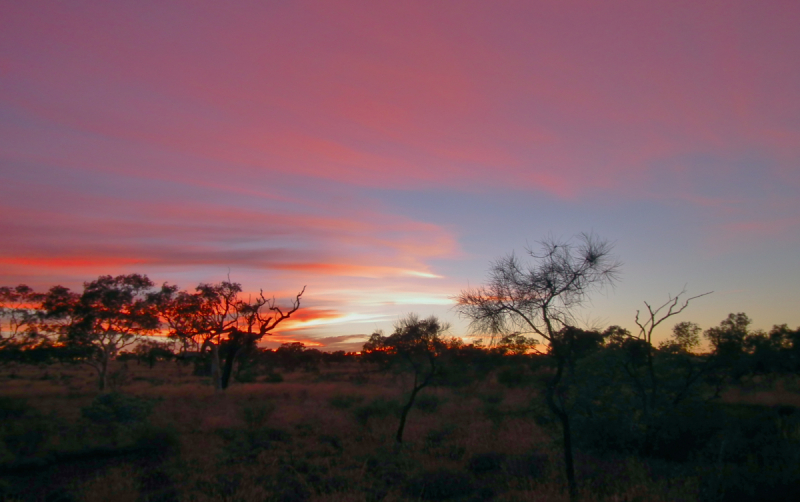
{"x":317,"y":451}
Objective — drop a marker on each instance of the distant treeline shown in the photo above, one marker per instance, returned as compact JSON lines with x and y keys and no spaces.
{"x":115,"y":318}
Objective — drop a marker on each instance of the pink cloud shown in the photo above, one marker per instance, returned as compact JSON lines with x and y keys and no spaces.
{"x":347,"y":94}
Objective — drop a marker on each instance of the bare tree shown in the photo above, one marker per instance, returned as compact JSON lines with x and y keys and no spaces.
{"x":216,"y":317}
{"x":540,"y":298}
{"x":647,"y":323}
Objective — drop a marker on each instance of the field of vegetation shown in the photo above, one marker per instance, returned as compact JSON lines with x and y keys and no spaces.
{"x":326,"y":432}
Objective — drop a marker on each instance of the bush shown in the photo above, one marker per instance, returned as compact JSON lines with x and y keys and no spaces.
{"x":246,"y":374}
{"x":383,"y":471}
{"x":485,"y":463}
{"x":438,"y":444}
{"x":513,"y":376}
{"x":255,"y":415}
{"x":273,"y":377}
{"x":345,"y":401}
{"x":23,"y":430}
{"x":360,"y":378}
{"x":162,"y":440}
{"x":439,"y":484}
{"x":427,"y":403}
{"x":742,"y":483}
{"x":379,"y":408}
{"x":118,"y":409}
{"x":685,"y":432}
{"x":12,"y":408}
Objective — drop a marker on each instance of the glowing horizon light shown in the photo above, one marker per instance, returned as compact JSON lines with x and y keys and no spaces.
{"x":426,"y":275}
{"x":347,"y":318}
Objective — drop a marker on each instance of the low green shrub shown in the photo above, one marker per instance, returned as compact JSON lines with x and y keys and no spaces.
{"x":273,"y":377}
{"x":247,"y":374}
{"x":486,"y":463}
{"x":256,"y":414}
{"x":345,"y":401}
{"x":118,"y":409}
{"x":23,"y":430}
{"x":514,"y":376}
{"x":427,"y":403}
{"x":376,"y":409}
{"x":439,"y":484}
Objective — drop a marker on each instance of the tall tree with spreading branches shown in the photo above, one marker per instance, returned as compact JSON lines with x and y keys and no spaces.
{"x":540,"y":298}
{"x":110,"y":314}
{"x":216,"y":318}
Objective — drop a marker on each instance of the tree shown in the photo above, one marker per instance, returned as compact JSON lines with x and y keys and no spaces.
{"x":685,"y":336}
{"x":515,"y":344}
{"x":19,"y":316}
{"x":151,"y":351}
{"x":540,"y":299}
{"x":110,"y":314}
{"x":417,"y":345}
{"x":215,"y":317}
{"x":728,"y":339}
{"x":649,"y":387}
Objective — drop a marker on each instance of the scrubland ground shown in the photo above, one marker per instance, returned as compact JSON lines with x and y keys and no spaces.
{"x":328,"y":435}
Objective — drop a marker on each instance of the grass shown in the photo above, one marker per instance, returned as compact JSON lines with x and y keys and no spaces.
{"x":312,"y":438}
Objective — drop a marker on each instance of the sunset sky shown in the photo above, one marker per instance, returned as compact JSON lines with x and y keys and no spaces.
{"x":383,"y":154}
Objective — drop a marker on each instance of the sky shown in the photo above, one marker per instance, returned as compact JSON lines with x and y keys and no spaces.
{"x":384,"y":154}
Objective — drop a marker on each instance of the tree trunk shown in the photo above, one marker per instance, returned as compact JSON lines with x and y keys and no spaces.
{"x":102,"y":373}
{"x":563,"y":417}
{"x":230,"y":358}
{"x":215,"y":370}
{"x":405,"y":411}
{"x":569,"y":464}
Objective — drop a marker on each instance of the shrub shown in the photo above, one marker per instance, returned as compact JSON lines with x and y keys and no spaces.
{"x":255,"y":415}
{"x":379,"y":408}
{"x":531,"y":465}
{"x":23,"y":429}
{"x":438,"y":444}
{"x":273,"y":377}
{"x":360,"y":378}
{"x":493,"y":398}
{"x":118,"y":408}
{"x":513,"y":376}
{"x":685,"y":432}
{"x":12,"y":408}
{"x":163,"y":440}
{"x":427,"y":403}
{"x":246,"y":374}
{"x":436,"y":437}
{"x":345,"y":401}
{"x":384,"y":470}
{"x":485,"y":463}
{"x":439,"y":484}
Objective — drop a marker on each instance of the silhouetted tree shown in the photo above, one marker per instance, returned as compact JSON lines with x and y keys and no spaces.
{"x":649,"y":385}
{"x":515,"y":344}
{"x":417,"y":345}
{"x":215,"y":317}
{"x":540,"y":298}
{"x":652,"y":387}
{"x":685,"y":337}
{"x":20,"y":313}
{"x":110,"y":314}
{"x":151,"y":351}
{"x":727,"y":339}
